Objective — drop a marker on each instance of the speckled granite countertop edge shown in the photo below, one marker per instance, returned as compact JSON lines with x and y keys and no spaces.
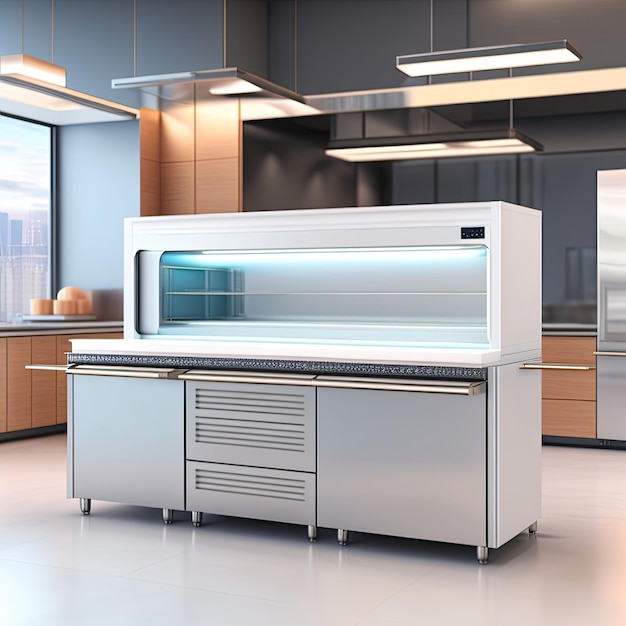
{"x":281,"y":365}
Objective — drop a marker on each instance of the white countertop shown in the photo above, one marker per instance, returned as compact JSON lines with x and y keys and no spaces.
{"x":293,"y":351}
{"x":22,"y":328}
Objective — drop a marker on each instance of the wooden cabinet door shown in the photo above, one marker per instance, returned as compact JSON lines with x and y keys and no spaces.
{"x":19,"y":403}
{"x":569,"y":397}
{"x":3,"y":385}
{"x":44,"y":383}
{"x":571,"y":350}
{"x":569,"y":418}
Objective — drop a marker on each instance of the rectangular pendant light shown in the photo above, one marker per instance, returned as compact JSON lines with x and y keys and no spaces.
{"x":431,"y":146}
{"x":487,"y":58}
{"x":23,"y":65}
{"x":35,"y":89}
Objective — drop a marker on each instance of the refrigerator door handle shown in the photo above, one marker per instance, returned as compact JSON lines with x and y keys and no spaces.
{"x":610,"y":353}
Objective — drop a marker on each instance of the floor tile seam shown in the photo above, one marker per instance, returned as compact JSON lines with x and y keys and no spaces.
{"x":159,"y":561}
{"x":401,"y":588}
{"x":193,"y":587}
{"x":123,"y":578}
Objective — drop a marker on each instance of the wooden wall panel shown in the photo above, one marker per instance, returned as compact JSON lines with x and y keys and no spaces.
{"x":218,"y":186}
{"x":150,"y":134}
{"x":178,"y":133}
{"x":44,"y":383}
{"x":218,"y":129}
{"x":150,"y":185}
{"x":177,"y":188}
{"x":18,"y":383}
{"x":150,"y":161}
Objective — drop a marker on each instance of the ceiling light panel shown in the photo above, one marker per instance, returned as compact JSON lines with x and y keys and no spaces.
{"x":468,"y":144}
{"x":487,"y":58}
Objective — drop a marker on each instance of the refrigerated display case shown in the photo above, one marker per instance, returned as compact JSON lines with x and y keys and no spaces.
{"x":431,"y":311}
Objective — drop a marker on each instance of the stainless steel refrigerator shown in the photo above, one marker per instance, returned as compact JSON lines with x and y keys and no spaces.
{"x":611,"y":353}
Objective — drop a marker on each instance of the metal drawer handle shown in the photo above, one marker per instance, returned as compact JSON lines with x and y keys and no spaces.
{"x":461,"y":388}
{"x":563,"y":367}
{"x":43,"y":366}
{"x":123,"y":372}
{"x":610,"y":353}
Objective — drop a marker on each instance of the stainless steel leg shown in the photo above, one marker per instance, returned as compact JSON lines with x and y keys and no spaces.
{"x":482,"y":554}
{"x":168,"y":516}
{"x":312,"y":533}
{"x":196,"y":518}
{"x":532,"y":529}
{"x":85,"y":506}
{"x":342,"y":537}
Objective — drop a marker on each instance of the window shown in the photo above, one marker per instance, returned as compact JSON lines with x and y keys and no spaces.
{"x":25,"y":215}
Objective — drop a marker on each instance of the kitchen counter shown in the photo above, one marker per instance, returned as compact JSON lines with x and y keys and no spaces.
{"x":327,"y":358}
{"x":22,"y":329}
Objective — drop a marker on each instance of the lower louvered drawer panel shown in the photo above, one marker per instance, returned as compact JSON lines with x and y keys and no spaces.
{"x":266,"y":494}
{"x":260,"y":425}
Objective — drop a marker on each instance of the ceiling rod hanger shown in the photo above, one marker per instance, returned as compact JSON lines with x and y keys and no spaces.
{"x":426,"y":122}
{"x":134,"y":38}
{"x":52,"y":32}
{"x":295,"y":45}
{"x":224,"y":8}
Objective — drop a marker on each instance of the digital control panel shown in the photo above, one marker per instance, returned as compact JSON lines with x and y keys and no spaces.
{"x":474,"y":232}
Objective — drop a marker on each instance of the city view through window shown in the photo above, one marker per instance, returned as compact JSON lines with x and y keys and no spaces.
{"x":25,"y":211}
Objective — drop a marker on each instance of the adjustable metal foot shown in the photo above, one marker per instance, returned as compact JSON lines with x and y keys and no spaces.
{"x":85,"y":506}
{"x":482,"y":554}
{"x":196,"y":518}
{"x":532,"y":529}
{"x":168,"y":516}
{"x":342,"y":537}
{"x":312,"y":531}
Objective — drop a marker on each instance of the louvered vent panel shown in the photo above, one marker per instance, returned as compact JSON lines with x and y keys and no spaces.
{"x":225,"y":421}
{"x":272,"y":403}
{"x":257,"y":485}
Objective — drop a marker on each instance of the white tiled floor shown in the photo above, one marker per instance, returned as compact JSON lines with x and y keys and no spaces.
{"x":123,"y":566}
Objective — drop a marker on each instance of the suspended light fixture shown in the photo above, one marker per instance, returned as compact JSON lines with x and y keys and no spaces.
{"x":433,"y":146}
{"x":35,"y":89}
{"x":487,"y":58}
{"x":27,"y":67}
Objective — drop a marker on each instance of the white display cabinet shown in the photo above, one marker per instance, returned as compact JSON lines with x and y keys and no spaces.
{"x":454,"y":283}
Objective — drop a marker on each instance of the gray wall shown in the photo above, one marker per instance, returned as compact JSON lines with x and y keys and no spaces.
{"x":315,"y":46}
{"x":98,"y":187}
{"x":285,"y":168}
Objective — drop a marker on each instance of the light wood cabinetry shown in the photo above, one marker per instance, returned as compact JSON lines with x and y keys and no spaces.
{"x":569,"y":395}
{"x":19,"y":398}
{"x":44,"y":384}
{"x":35,"y":398}
{"x":3,"y":385}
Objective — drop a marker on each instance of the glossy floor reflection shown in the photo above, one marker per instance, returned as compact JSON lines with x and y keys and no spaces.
{"x":123,"y":566}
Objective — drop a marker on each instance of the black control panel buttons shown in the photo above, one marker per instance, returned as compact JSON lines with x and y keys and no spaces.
{"x":475,"y":232}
